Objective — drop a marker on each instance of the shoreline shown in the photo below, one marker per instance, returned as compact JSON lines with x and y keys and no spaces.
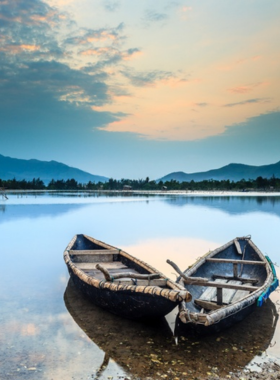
{"x":157,"y":192}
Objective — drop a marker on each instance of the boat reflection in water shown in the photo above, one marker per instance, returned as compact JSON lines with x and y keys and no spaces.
{"x":149,"y":350}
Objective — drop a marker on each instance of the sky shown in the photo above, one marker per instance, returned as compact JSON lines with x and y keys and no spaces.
{"x":130,"y":89}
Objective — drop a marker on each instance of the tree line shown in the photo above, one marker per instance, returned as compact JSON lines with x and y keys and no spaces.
{"x":260,"y":183}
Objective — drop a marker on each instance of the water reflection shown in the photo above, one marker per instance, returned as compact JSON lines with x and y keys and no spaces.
{"x":182,"y":250}
{"x":145,"y":350}
{"x":230,"y":204}
{"x":36,"y":331}
{"x":14,"y":212}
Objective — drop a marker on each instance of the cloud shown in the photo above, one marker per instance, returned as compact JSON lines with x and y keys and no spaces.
{"x":29,"y":27}
{"x":39,"y":90}
{"x":56,"y":79}
{"x":28,"y":13}
{"x":16,"y":49}
{"x":43,"y":85}
{"x":152,"y":78}
{"x":111,"y":6}
{"x":243,"y":89}
{"x":110,"y":58}
{"x":89,"y":36}
{"x":140,"y":79}
{"x":110,"y":53}
{"x":152,"y":16}
{"x":248,"y":101}
{"x":104,"y":44}
{"x":202,"y":104}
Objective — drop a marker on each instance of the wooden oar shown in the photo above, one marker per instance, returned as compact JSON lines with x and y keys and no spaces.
{"x":188,"y":279}
{"x":138,"y":276}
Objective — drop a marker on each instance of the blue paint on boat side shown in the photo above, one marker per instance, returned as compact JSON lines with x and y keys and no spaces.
{"x":275,"y":283}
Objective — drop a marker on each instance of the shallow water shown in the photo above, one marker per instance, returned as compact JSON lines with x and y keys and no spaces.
{"x":49,"y":331}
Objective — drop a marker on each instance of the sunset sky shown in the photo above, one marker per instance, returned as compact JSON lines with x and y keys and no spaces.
{"x":129,"y":89}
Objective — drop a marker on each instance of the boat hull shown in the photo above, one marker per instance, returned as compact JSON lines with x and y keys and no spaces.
{"x":186,"y":329}
{"x":126,"y":303}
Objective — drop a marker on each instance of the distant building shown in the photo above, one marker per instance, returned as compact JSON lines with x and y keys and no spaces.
{"x":127,"y":187}
{"x":164,"y":188}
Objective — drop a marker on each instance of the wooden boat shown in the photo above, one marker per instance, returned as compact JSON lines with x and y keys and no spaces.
{"x":226,"y":285}
{"x":119,"y":282}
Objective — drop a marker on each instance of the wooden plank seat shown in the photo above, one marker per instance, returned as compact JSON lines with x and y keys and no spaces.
{"x":93,"y":251}
{"x":224,"y":293}
{"x":244,"y":280}
{"x":119,"y":268}
{"x":92,"y":256}
{"x":245,"y":262}
{"x":84,"y":256}
{"x":215,"y":284}
{"x":235,"y":264}
{"x":111,"y":265}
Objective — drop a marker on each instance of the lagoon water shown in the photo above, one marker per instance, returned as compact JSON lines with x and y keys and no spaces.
{"x":49,"y":331}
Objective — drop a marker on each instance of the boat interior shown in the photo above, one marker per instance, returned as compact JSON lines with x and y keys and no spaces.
{"x":226,"y":278}
{"x":88,"y":255}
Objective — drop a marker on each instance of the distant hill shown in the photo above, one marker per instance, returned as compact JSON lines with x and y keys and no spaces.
{"x":45,"y":170}
{"x":233,"y":172}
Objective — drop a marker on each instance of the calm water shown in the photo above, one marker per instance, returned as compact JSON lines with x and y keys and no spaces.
{"x":48,"y":331}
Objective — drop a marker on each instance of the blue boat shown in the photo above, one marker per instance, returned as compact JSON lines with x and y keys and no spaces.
{"x":226,"y":285}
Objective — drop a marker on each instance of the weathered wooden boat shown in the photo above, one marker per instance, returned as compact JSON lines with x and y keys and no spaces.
{"x":226,"y":285}
{"x":120,"y":283}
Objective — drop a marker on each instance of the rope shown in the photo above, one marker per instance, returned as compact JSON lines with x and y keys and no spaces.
{"x":189,"y":315}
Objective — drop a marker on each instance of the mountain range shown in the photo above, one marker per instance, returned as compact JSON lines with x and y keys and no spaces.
{"x":45,"y":170}
{"x":233,"y":172}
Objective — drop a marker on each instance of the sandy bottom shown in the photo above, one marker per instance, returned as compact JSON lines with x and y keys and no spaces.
{"x":150,"y":351}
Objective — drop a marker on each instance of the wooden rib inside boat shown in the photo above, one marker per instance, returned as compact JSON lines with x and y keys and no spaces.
{"x":119,"y":282}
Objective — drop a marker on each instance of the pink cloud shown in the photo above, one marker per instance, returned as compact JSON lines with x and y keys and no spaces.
{"x":243,"y":89}
{"x":97,"y":51}
{"x":16,"y":49}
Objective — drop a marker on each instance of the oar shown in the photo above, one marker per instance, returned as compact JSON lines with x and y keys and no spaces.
{"x":138,"y":276}
{"x":188,"y":280}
